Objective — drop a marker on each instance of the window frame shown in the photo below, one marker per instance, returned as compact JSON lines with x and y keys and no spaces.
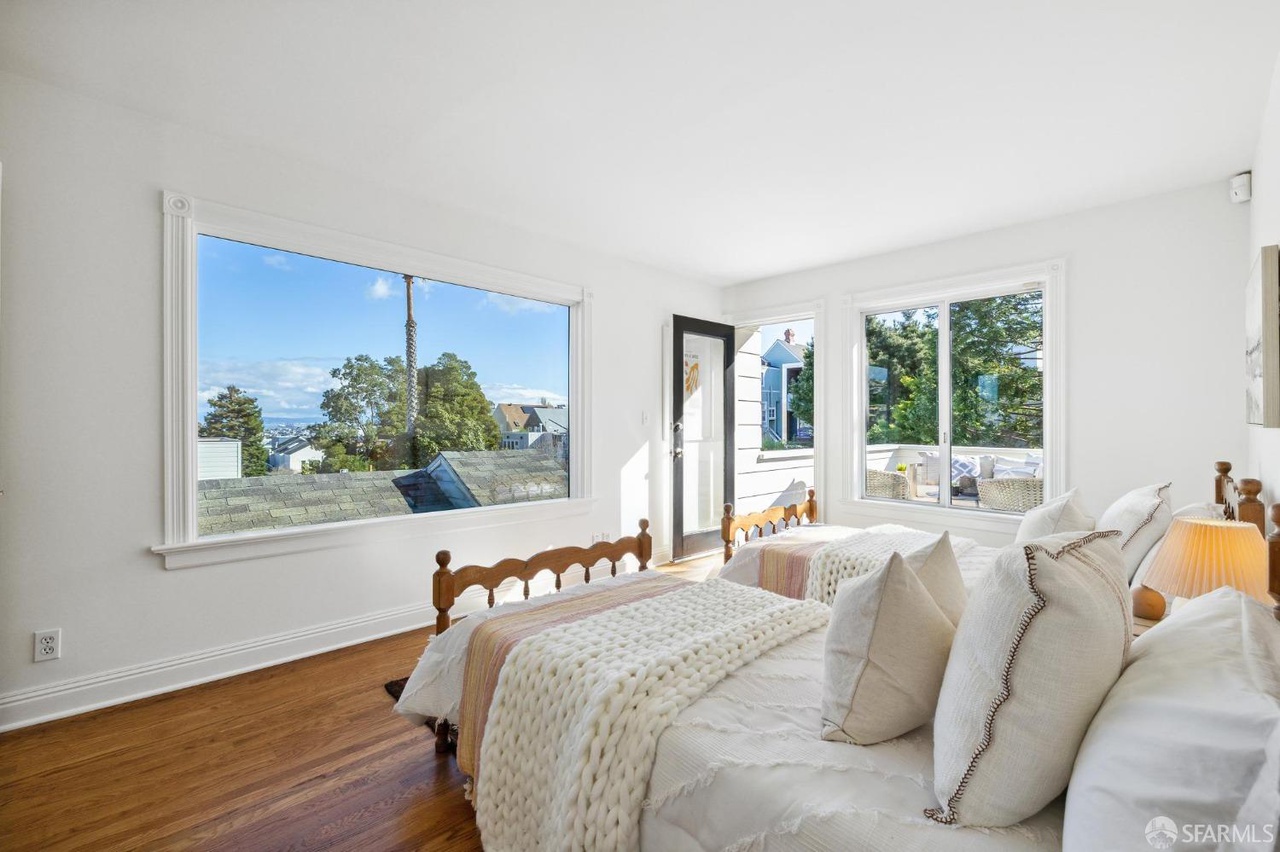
{"x":187,"y":217}
{"x":1047,"y":276}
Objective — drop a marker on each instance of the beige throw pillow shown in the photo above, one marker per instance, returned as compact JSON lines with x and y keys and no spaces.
{"x":1043,"y":639}
{"x":1060,"y":515}
{"x":886,"y":648}
{"x":1143,"y":517}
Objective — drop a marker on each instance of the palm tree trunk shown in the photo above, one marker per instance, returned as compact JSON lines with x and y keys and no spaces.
{"x":411,"y":370}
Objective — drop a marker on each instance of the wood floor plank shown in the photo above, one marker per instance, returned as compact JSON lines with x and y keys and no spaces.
{"x":307,"y":755}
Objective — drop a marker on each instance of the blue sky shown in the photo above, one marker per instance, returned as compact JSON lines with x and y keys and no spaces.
{"x":274,"y":323}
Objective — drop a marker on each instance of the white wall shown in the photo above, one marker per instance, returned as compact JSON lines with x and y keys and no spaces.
{"x":1264,"y":444}
{"x":1154,"y":311}
{"x":80,"y":353}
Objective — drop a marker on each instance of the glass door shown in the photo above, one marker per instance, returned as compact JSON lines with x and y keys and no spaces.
{"x":701,"y":433}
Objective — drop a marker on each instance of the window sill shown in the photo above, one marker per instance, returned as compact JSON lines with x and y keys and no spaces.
{"x":243,"y":547}
{"x":802,"y":454}
{"x":899,"y":511}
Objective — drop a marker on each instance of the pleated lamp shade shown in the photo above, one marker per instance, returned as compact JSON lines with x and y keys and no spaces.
{"x":1202,"y":554}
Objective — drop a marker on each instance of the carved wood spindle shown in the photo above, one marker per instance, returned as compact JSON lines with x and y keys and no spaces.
{"x":1220,"y":481}
{"x":726,"y":531}
{"x":1250,"y":509}
{"x":813,"y":506}
{"x":613,"y":569}
{"x":1273,"y":561}
{"x":526,"y":590}
{"x":491,"y":599}
{"x":644,"y":544}
{"x":557,"y":581}
{"x":586,"y":573}
{"x":442,"y":591}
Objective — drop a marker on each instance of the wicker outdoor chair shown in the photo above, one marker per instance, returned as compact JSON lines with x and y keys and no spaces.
{"x":887,"y":483}
{"x":1010,"y":495}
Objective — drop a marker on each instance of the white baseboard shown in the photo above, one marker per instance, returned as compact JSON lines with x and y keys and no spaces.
{"x":24,"y":707}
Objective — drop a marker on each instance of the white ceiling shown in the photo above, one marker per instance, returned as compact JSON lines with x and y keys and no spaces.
{"x":728,"y":140}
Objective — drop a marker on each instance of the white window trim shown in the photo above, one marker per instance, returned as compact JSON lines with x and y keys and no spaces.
{"x":1048,"y":276}
{"x":185,"y":218}
{"x":815,"y":310}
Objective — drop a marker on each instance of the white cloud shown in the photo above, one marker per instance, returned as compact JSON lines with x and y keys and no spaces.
{"x":278,"y":261}
{"x":287,"y":387}
{"x":521,"y":395}
{"x":516,"y":305}
{"x":379,"y":289}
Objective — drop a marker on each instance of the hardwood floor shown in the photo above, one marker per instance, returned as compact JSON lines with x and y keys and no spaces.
{"x":306,"y":755}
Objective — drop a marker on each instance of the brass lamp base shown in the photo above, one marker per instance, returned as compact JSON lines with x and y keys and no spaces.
{"x":1148,"y":604}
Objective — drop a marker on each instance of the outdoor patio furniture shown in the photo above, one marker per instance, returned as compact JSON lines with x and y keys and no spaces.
{"x":1010,"y":495}
{"x":887,"y":483}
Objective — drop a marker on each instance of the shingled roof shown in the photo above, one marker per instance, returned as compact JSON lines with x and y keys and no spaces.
{"x":494,"y":477}
{"x":267,"y":502}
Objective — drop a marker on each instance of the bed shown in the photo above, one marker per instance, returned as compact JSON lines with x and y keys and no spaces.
{"x":738,"y":766}
{"x":773,"y":548}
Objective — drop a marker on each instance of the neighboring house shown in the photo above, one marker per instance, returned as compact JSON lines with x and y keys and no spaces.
{"x":494,"y":477}
{"x":511,"y":417}
{"x":780,"y":364}
{"x":527,"y":440}
{"x":544,"y":418}
{"x":218,"y":458}
{"x":289,"y":453}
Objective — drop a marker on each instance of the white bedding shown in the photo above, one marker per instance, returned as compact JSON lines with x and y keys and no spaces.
{"x":743,"y":768}
{"x":744,"y":566}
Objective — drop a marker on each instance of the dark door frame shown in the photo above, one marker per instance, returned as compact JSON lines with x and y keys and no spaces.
{"x":683,"y":544}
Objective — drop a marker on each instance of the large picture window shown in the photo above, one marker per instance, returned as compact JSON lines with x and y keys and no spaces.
{"x":955,"y":400}
{"x":315,"y":408}
{"x":315,"y":379}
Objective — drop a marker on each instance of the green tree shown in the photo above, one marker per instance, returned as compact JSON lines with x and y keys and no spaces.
{"x":902,"y":360}
{"x":997,"y":388}
{"x":366,"y":415}
{"x":235,"y":414}
{"x":800,"y":391}
{"x":455,"y":415}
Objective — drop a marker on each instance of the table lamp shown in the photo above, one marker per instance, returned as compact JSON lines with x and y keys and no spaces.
{"x":1199,"y":555}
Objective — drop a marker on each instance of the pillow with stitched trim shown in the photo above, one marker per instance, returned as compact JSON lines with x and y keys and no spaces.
{"x":1043,"y":639}
{"x":1060,"y":515}
{"x":886,"y":651}
{"x":1143,"y":517}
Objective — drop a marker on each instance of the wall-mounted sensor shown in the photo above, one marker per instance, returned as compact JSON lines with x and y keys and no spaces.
{"x":1242,"y":188}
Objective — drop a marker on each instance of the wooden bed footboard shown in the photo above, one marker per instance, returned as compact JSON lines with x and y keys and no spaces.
{"x":775,"y":518}
{"x":447,"y":584}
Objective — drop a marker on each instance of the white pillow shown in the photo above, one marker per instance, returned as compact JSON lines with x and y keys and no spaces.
{"x":886,"y":651}
{"x":1190,"y":733}
{"x":1043,"y":639}
{"x":1143,"y":517}
{"x":1060,"y":515}
{"x":1194,"y":510}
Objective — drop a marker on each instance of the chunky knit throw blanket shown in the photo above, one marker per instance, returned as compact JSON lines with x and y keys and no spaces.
{"x":578,"y":710}
{"x":856,"y":555}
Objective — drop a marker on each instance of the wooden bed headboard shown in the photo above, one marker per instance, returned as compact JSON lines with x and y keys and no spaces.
{"x":775,"y":518}
{"x":447,"y":584}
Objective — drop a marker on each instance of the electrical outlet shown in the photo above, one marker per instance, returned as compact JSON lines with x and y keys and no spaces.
{"x":48,"y":645}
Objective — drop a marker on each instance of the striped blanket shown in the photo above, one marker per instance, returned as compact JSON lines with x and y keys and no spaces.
{"x":784,"y":566}
{"x":493,"y":641}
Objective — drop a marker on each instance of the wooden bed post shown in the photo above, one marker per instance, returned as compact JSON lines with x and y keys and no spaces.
{"x":442,"y":591}
{"x":1250,"y":509}
{"x":646,"y":544}
{"x":726,"y":530}
{"x":813,"y":506}
{"x":1220,"y":482}
{"x":1273,"y":561}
